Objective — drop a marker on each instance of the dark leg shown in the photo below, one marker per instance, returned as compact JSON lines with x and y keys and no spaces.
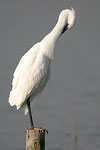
{"x":30,"y":114}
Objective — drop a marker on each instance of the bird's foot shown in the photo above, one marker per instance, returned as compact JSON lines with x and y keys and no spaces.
{"x":43,"y":129}
{"x":32,"y":125}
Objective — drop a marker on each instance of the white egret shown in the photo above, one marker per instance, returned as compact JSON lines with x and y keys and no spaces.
{"x":33,"y":71}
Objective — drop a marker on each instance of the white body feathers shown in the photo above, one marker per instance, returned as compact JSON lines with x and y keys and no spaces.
{"x":33,"y":70}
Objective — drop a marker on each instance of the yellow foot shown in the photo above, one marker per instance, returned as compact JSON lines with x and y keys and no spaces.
{"x":39,"y":129}
{"x":42,"y":130}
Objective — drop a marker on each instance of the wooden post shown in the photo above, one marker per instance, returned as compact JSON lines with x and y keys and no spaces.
{"x":35,"y":139}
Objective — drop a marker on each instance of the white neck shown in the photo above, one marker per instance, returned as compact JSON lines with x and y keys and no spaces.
{"x":50,"y":40}
{"x":65,"y":21}
{"x":55,"y":33}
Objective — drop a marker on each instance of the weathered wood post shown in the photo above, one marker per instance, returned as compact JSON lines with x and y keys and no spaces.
{"x":35,"y":139}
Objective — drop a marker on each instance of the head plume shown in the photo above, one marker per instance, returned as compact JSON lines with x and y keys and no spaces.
{"x":67,"y":19}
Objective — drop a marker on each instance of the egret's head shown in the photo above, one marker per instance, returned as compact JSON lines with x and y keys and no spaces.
{"x":67,"y":19}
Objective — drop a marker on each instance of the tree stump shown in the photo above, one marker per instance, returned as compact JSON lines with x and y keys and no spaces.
{"x":35,"y":139}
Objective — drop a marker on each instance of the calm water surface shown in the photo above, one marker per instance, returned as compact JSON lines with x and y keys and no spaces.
{"x":74,"y":89}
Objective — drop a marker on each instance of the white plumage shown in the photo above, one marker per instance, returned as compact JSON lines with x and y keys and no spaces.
{"x":33,"y":70}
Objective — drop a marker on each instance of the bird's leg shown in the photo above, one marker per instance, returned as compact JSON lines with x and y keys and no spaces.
{"x":30,"y":114}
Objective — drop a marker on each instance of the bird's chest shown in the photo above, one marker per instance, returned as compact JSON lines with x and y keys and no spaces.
{"x":47,"y":49}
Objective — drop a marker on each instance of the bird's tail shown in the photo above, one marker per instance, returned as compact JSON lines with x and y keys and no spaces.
{"x":14,"y":99}
{"x":12,"y":102}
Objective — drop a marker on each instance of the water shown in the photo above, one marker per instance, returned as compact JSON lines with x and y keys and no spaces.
{"x":74,"y":88}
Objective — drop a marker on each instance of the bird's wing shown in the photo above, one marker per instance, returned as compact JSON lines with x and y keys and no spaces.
{"x":27,"y":77}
